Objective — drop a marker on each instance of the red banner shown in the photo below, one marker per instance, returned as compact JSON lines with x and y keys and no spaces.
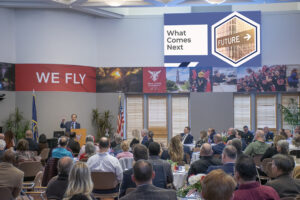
{"x":154,"y":79}
{"x":52,"y":77}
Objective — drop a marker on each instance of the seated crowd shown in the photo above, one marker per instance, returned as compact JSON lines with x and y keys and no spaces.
{"x":239,"y":165}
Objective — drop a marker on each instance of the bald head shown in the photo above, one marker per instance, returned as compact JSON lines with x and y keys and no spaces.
{"x":63,"y":141}
{"x":206,"y":150}
{"x":28,"y":134}
{"x":104,"y":143}
{"x":260,"y":135}
{"x":64,"y":165}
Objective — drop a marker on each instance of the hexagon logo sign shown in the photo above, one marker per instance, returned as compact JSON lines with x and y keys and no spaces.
{"x":235,"y":39}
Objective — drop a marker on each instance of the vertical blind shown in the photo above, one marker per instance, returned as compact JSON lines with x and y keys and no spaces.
{"x":135,"y":114}
{"x":180,"y":114}
{"x":266,"y":111}
{"x":242,"y":111}
{"x":286,"y":102}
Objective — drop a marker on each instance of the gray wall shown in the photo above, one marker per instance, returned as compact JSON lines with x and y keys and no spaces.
{"x":7,"y":39}
{"x":7,"y":105}
{"x":211,"y":110}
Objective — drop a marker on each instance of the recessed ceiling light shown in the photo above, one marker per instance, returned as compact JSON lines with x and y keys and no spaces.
{"x":114,"y":3}
{"x":215,"y":1}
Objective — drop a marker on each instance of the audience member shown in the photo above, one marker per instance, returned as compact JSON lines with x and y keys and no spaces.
{"x":117,"y":149}
{"x":239,"y":135}
{"x":73,"y":144}
{"x":247,"y":135}
{"x":2,"y":148}
{"x":206,"y":160}
{"x":90,"y":150}
{"x":186,"y":136}
{"x":9,"y":138}
{"x":33,"y":145}
{"x":57,"y":186}
{"x":211,"y":133}
{"x":11,"y":177}
{"x":125,"y":149}
{"x":289,"y":136}
{"x":61,"y":150}
{"x":296,"y":141}
{"x":231,"y":134}
{"x":42,"y":143}
{"x":258,"y":147}
{"x":79,"y":182}
{"x":142,"y":176}
{"x":23,"y":153}
{"x":203,"y":139}
{"x":284,"y":184}
{"x":136,"y":138}
{"x":176,"y":149}
{"x":219,"y":145}
{"x":217,"y":185}
{"x":268,"y":134}
{"x":104,"y":162}
{"x":249,"y":188}
{"x":144,"y":134}
{"x":166,"y":176}
{"x":228,"y":159}
{"x":272,"y":150}
{"x":150,"y":138}
{"x":140,"y":152}
{"x":88,"y":138}
{"x":237,"y":143}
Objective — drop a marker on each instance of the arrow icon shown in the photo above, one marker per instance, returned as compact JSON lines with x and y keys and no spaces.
{"x":247,"y":37}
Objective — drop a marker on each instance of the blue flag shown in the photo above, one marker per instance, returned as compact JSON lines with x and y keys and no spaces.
{"x":34,"y":119}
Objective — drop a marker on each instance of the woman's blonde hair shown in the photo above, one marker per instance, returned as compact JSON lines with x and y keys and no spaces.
{"x":125,"y":146}
{"x":176,"y":149}
{"x":136,"y":134}
{"x":80,"y":181}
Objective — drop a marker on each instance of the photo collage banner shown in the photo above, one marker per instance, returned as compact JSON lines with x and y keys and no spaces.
{"x":55,"y":77}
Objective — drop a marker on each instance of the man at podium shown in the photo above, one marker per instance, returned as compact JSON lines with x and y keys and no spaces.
{"x":70,"y":124}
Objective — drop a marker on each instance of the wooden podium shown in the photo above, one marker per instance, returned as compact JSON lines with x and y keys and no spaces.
{"x":80,"y":135}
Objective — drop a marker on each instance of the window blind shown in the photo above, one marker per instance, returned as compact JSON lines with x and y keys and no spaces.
{"x":266,"y":111}
{"x":242,"y":111}
{"x":180,"y":114}
{"x":135,"y":114}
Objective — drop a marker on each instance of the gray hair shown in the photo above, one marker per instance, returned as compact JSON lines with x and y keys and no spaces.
{"x":89,"y":138}
{"x":2,"y":144}
{"x":284,"y":146}
{"x":284,"y":163}
{"x":90,"y":148}
{"x":237,"y":143}
{"x":230,"y":151}
{"x":118,"y":139}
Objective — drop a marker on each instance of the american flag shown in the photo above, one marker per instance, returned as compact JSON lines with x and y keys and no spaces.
{"x":120,"y":120}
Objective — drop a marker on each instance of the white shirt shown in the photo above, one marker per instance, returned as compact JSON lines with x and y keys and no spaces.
{"x":103,"y":162}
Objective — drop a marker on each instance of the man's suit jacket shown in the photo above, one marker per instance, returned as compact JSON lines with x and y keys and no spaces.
{"x":218,"y":148}
{"x":188,"y":140}
{"x":68,"y":125}
{"x":285,"y":186}
{"x":227,"y":168}
{"x":150,"y":192}
{"x":33,"y":146}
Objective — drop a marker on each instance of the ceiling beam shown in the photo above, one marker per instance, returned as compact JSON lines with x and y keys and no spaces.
{"x":97,"y":12}
{"x":175,"y":2}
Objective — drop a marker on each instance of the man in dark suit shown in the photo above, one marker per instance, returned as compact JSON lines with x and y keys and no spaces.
{"x":187,"y":138}
{"x":33,"y":146}
{"x":70,"y":124}
{"x":142,"y":175}
{"x":284,"y":184}
{"x":218,"y":148}
{"x":228,"y":158}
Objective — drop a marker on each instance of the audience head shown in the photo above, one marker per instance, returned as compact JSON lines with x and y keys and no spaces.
{"x":2,"y":144}
{"x":245,"y":169}
{"x":9,"y":135}
{"x":283,"y":147}
{"x":203,"y":134}
{"x":218,"y":138}
{"x":135,"y":134}
{"x":22,"y":145}
{"x":211,"y":131}
{"x":143,"y":172}
{"x":230,"y":131}
{"x":283,"y":133}
{"x":144,"y":132}
{"x":218,"y":185}
{"x":176,"y":149}
{"x":73,"y":117}
{"x":278,"y":138}
{"x":260,"y":135}
{"x":29,"y":134}
{"x":296,"y":141}
{"x":239,"y":134}
{"x":288,"y":133}
{"x":154,"y":149}
{"x":9,"y":156}
{"x":237,"y":143}
{"x":118,"y":139}
{"x":206,"y":150}
{"x":246,"y":129}
{"x":89,"y":138}
{"x":43,"y":138}
{"x":150,"y":134}
{"x":140,"y":152}
{"x":90,"y":148}
{"x":187,"y":129}
{"x":63,"y":141}
{"x":80,"y":181}
{"x":72,"y":135}
{"x":229,"y":154}
{"x":266,"y":129}
{"x":104,"y":144}
{"x":64,"y":165}
{"x":282,"y":164}
{"x":125,"y":146}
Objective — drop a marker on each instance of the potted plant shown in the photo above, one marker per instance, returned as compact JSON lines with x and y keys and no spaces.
{"x":102,"y":122}
{"x":291,"y":113}
{"x":17,"y":124}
